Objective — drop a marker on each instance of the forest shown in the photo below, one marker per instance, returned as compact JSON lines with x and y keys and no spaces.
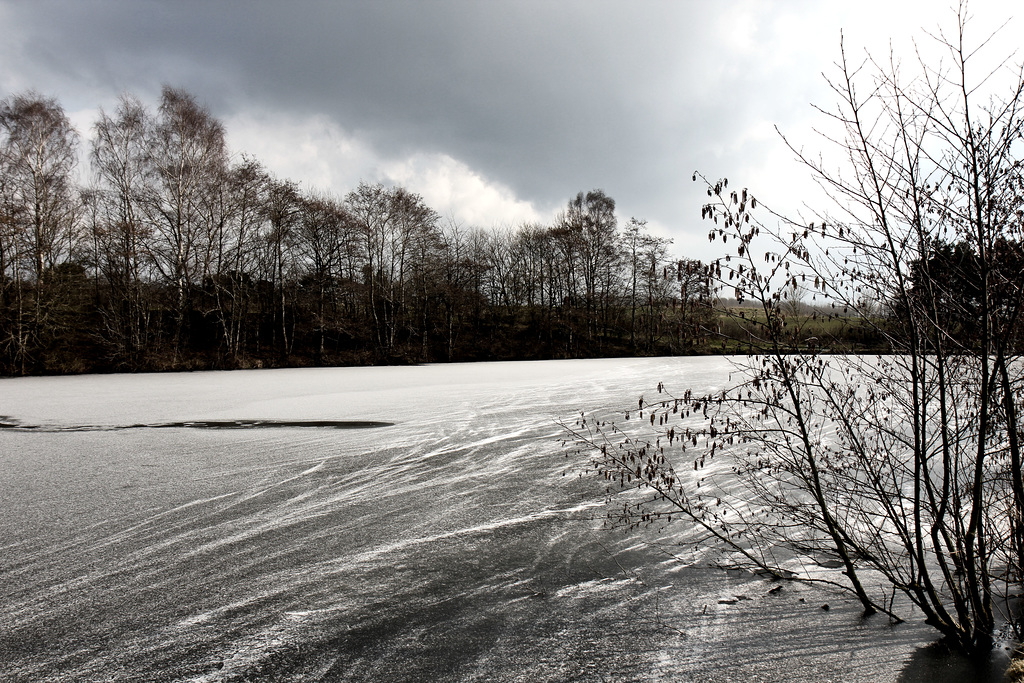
{"x":177,"y":254}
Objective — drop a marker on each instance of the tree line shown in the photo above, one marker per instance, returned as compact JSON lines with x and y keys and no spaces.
{"x":176,"y":254}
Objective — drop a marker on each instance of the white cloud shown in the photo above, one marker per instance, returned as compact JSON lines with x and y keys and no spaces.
{"x":317,"y":152}
{"x":312,"y":150}
{"x":453,"y":188}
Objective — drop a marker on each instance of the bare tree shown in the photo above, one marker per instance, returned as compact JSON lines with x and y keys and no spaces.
{"x":589,"y":223}
{"x":458,"y":283}
{"x":696,"y":315}
{"x":120,"y":164}
{"x":392,"y":221}
{"x":238,"y":262}
{"x":634,"y":237}
{"x":902,"y":471}
{"x":188,"y":156}
{"x":326,"y":234}
{"x":38,"y":148}
{"x":282,"y":213}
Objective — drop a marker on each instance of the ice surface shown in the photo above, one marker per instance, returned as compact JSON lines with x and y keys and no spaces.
{"x":143,"y":540}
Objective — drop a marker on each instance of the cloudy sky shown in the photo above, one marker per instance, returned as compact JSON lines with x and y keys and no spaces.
{"x":496,"y":111}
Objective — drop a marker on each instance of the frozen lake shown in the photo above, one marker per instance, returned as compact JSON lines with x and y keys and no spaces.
{"x":372,"y":524}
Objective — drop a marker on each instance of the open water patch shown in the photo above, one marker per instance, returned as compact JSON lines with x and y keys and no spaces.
{"x":12,"y":424}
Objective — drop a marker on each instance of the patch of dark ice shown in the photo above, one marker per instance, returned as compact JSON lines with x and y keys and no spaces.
{"x":15,"y":425}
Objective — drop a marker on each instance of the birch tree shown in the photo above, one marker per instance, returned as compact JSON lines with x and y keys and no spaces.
{"x":188,"y":156}
{"x":38,"y":155}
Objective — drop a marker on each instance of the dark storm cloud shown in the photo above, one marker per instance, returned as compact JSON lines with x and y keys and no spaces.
{"x":542,"y":94}
{"x":544,"y":98}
